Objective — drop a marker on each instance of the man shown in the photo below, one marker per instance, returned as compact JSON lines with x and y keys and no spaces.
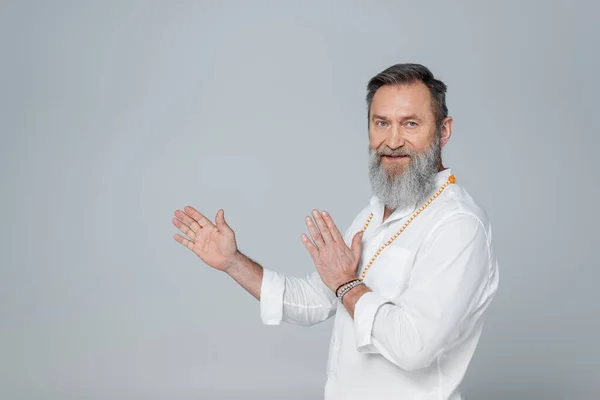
{"x":412,"y":276}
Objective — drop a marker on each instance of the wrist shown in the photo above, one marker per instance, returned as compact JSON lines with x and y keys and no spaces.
{"x":234,"y":262}
{"x":345,"y":288}
{"x":353,"y":296}
{"x":356,"y":292}
{"x":343,"y":282}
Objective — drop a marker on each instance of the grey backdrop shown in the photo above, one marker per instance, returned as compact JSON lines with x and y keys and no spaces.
{"x":114,"y":114}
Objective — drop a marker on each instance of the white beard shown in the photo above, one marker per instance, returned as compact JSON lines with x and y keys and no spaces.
{"x":410,"y":187}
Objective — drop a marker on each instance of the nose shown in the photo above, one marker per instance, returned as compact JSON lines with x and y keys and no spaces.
{"x":395,"y":138}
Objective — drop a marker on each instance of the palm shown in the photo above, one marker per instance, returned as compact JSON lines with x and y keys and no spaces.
{"x":214,"y":244}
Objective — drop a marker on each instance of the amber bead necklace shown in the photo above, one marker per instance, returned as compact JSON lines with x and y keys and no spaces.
{"x":450,"y":180}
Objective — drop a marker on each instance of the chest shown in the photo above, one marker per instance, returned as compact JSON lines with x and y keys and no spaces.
{"x":389,"y":272}
{"x":389,"y":263}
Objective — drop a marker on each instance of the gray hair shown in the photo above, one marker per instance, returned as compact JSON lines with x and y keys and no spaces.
{"x":402,"y":74}
{"x":414,"y":185}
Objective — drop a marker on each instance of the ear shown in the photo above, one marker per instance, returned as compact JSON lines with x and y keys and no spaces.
{"x":446,"y":131}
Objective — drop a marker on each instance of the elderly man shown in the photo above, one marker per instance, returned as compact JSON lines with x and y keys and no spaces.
{"x":409,"y":280}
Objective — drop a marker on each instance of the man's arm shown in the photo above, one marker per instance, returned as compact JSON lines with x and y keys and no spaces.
{"x":450,"y":283}
{"x":301,"y":301}
{"x":246,"y":272}
{"x":352,"y":297}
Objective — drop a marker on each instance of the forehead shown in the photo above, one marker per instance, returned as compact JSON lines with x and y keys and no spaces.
{"x":400,"y":100}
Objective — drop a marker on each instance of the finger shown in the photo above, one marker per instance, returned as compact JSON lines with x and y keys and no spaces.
{"x":184,"y":228}
{"x":188,"y":221}
{"x":356,"y":244}
{"x":312,"y":249}
{"x":335,"y":232}
{"x":220,"y":221}
{"x":314,"y":233}
{"x":322,"y":226}
{"x":199,"y":217}
{"x":187,"y":243}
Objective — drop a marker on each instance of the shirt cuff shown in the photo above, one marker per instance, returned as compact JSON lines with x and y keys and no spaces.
{"x":364,"y":316}
{"x":271,"y":297}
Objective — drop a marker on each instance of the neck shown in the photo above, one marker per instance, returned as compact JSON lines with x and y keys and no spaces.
{"x":386,"y":213}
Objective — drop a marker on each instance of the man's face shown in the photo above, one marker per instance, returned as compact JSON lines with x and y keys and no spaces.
{"x":404,"y":144}
{"x":401,"y":123}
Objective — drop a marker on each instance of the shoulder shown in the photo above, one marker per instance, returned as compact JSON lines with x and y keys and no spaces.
{"x":458,"y":215}
{"x":458,"y":204}
{"x":457,"y":223}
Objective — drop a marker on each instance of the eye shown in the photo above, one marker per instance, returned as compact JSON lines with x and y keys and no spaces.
{"x":411,"y":124}
{"x":381,"y":123}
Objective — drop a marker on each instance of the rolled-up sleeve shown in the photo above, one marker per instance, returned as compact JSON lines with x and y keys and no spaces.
{"x":448,"y":284}
{"x":271,"y":297}
{"x":364,"y":317}
{"x":300,"y":301}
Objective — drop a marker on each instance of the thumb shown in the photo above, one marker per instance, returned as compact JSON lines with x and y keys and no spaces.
{"x":356,"y":244}
{"x":220,"y":220}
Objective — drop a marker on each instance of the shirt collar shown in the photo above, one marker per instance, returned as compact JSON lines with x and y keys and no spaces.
{"x":377,"y":207}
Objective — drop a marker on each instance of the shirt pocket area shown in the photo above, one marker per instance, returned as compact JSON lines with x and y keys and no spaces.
{"x":389,"y":274}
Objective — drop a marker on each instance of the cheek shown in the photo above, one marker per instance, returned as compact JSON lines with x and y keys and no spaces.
{"x":374,"y":142}
{"x":421,"y":143}
{"x":375,"y":139}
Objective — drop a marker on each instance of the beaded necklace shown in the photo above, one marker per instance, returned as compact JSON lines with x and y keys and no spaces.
{"x":450,"y":180}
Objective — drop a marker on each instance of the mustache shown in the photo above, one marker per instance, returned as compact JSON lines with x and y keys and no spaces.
{"x":398,"y":152}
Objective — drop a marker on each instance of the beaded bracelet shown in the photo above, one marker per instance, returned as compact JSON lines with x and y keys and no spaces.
{"x":348,"y":287}
{"x":344,"y":284}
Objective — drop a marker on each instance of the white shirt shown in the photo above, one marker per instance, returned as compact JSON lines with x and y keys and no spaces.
{"x":414,"y":334}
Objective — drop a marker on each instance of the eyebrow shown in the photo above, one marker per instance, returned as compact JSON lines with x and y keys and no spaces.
{"x":407,"y":117}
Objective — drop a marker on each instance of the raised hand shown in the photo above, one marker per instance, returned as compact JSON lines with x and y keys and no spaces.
{"x":335,"y":262}
{"x":214,"y":244}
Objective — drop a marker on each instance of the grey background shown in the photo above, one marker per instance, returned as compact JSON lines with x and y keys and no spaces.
{"x":114,"y":114}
